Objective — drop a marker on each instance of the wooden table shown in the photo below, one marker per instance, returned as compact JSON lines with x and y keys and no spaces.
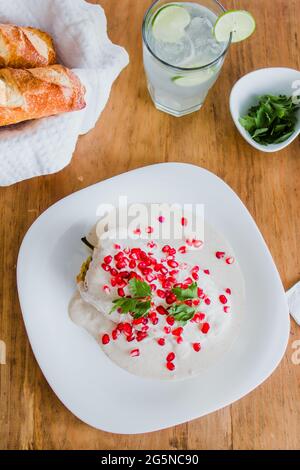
{"x":131,"y":134}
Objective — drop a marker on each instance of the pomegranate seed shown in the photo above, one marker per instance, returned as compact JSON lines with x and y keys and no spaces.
{"x":189,"y":242}
{"x":145,"y":328}
{"x":188,"y":302}
{"x":135,"y":353}
{"x":179,"y":340}
{"x":161,"y":310}
{"x":197,"y":243}
{"x":167,"y":284}
{"x":130,"y":338}
{"x":163,"y":270}
{"x":113,"y":272}
{"x":220,"y":254}
{"x":149,"y":229}
{"x":184,"y":221}
{"x":105,"y":339}
{"x":182,"y":250}
{"x":228,"y":291}
{"x":198,"y":317}
{"x":205,"y":328}
{"x":121,"y":292}
{"x":161,"y":293}
{"x":116,"y":246}
{"x":154,"y":321}
{"x":170,"y":357}
{"x":120,"y":264}
{"x":195,"y":276}
{"x":124,"y":274}
{"x":173,"y":264}
{"x":167,"y":330}
{"x":230,"y":260}
{"x":188,"y":281}
{"x":166,"y":249}
{"x":106,"y":267}
{"x":170,"y":320}
{"x":161,"y":341}
{"x":106,"y":289}
{"x":170,"y":299}
{"x":196,"y":302}
{"x":223,"y":299}
{"x":174,"y":272}
{"x":107,"y":259}
{"x":151,"y":244}
{"x":119,"y":256}
{"x":199,"y":291}
{"x":170,"y":366}
{"x":172,"y":252}
{"x":145,"y":321}
{"x":178,"y":331}
{"x":206,"y":271}
{"x":115,"y":333}
{"x":161,"y":219}
{"x":137,"y":231}
{"x":127,"y":329}
{"x":197,"y":347}
{"x":137,"y":321}
{"x":113,"y":281}
{"x":226,"y":309}
{"x":141,"y":335}
{"x":153,"y":287}
{"x":207,"y":301}
{"x":120,"y":327}
{"x":195,"y":269}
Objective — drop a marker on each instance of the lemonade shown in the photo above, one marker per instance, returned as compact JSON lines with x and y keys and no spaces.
{"x":182,"y":57}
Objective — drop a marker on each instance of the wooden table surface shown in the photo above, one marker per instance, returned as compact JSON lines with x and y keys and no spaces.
{"x":131,"y":134}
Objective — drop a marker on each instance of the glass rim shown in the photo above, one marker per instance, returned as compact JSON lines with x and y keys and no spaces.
{"x":174,"y":67}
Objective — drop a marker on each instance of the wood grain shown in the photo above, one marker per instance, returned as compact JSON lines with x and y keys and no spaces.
{"x":130,"y":134}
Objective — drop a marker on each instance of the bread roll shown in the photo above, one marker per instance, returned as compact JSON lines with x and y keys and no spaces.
{"x":36,"y":93}
{"x":25,"y":47}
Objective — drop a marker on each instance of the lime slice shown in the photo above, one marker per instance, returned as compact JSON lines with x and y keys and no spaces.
{"x":169,"y":23}
{"x":194,"y":79}
{"x":238,"y":22}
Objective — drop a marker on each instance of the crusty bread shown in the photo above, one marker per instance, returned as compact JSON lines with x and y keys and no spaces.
{"x":25,"y":47}
{"x":36,"y":93}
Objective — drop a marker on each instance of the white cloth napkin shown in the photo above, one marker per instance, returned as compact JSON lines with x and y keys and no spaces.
{"x":79,"y":31}
{"x":293,"y":298}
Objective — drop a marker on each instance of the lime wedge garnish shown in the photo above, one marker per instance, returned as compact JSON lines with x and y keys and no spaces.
{"x":169,"y":23}
{"x":239,"y":23}
{"x":194,"y":79}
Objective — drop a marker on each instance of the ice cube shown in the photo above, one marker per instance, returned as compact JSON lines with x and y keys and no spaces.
{"x":172,"y":53}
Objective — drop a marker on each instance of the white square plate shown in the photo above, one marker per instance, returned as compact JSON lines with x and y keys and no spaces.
{"x":85,"y":380}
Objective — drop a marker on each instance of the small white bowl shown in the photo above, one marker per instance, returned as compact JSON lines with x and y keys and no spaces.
{"x":245,"y":93}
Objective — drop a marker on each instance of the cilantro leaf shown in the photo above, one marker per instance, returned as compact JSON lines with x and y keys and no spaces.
{"x":139,"y":288}
{"x":272,"y":120}
{"x":186,"y":294}
{"x":182,"y":312}
{"x":129,"y":305}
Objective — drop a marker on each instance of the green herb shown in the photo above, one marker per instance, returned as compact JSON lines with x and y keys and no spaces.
{"x":182,"y":312}
{"x":272,"y":121}
{"x":139,"y":304}
{"x":139,"y":288}
{"x":186,"y":294}
{"x":138,"y":307}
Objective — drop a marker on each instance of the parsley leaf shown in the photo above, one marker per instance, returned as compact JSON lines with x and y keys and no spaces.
{"x":186,"y":294}
{"x":182,"y":312}
{"x":139,"y":304}
{"x":139,"y":288}
{"x":138,"y":307}
{"x":272,"y":120}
